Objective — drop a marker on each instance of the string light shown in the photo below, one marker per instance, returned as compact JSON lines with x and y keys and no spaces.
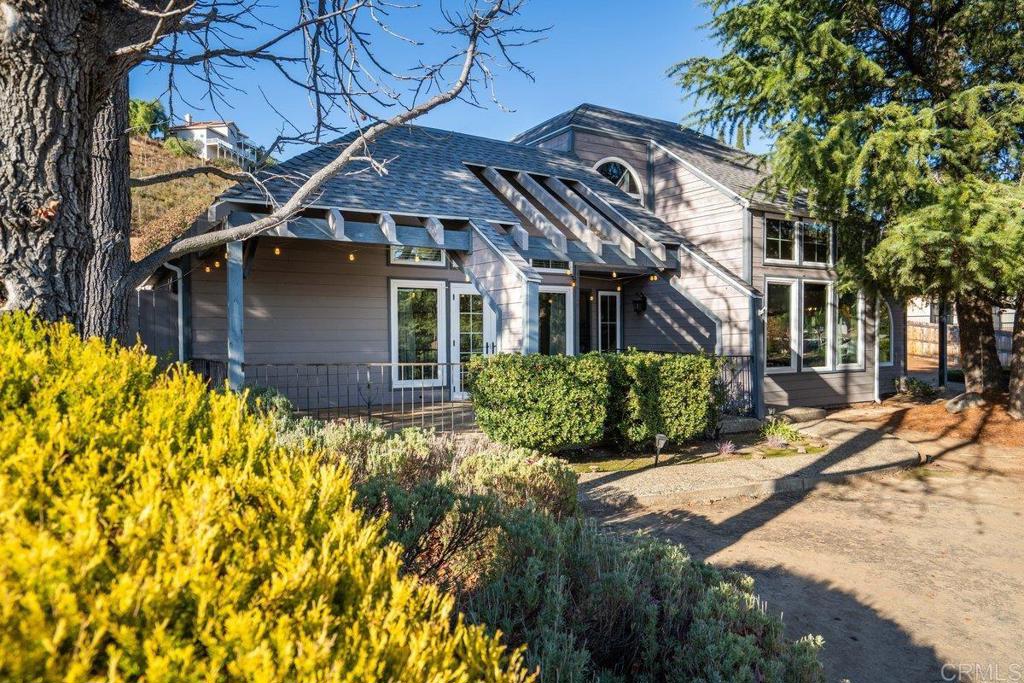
{"x":614,"y":274}
{"x":207,"y":269}
{"x":216,"y":264}
{"x":591,"y":297}
{"x":351,"y":256}
{"x":277,"y":251}
{"x":618,"y":288}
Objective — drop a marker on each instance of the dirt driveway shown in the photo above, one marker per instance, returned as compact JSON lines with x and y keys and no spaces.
{"x":910,"y":577}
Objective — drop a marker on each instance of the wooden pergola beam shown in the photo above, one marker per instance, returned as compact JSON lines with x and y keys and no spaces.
{"x":595,"y":219}
{"x":523,"y":205}
{"x":574,"y":225}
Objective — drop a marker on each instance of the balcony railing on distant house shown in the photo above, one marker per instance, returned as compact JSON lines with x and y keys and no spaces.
{"x":409,"y":394}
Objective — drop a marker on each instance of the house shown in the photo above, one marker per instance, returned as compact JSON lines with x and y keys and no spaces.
{"x":217,"y":140}
{"x":595,"y":230}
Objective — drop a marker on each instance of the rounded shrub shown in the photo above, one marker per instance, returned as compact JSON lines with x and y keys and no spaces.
{"x":152,"y":529}
{"x":547,"y":403}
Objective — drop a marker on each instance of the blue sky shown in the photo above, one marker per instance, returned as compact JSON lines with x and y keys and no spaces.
{"x":607,"y":52}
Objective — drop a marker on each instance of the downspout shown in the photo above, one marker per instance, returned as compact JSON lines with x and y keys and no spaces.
{"x":756,"y":363}
{"x":181,"y":309}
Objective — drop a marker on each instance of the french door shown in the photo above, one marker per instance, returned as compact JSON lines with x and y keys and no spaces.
{"x":472,"y":332}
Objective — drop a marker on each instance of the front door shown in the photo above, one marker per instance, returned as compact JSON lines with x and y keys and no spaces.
{"x":472,"y":330}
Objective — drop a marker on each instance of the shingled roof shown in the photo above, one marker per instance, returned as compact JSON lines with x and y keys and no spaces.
{"x":428,"y":174}
{"x":739,"y":172}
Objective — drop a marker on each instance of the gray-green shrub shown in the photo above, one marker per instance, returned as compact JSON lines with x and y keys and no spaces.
{"x":499,"y":528}
{"x":548,"y":403}
{"x":591,"y":606}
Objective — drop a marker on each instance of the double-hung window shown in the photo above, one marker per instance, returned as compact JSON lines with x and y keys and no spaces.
{"x":797,"y":243}
{"x":417,"y":333}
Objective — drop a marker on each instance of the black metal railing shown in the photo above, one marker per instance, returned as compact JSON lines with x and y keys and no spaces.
{"x":411,"y":394}
{"x":396,"y":394}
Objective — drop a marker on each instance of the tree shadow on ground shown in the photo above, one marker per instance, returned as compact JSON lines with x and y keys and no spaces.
{"x":860,"y":643}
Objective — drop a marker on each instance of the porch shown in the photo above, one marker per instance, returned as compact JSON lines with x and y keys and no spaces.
{"x":377,"y":392}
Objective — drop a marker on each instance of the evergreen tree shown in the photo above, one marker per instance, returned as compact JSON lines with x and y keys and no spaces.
{"x":147,"y":118}
{"x":903,"y":122}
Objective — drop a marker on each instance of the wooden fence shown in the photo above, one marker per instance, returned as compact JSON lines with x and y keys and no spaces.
{"x":923,"y":341}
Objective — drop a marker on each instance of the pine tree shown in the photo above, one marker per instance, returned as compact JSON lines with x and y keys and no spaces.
{"x":903,"y":123}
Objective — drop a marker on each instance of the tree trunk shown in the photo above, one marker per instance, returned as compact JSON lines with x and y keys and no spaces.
{"x":47,"y":52}
{"x":1016,"y":404}
{"x":105,"y":304}
{"x":978,"y":356}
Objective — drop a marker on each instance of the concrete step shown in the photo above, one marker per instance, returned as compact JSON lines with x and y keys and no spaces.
{"x":799,"y":414}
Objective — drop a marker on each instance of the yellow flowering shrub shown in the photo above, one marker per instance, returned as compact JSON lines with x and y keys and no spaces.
{"x":151,"y":530}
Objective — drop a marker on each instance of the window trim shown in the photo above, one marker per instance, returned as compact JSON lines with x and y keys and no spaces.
{"x":618,"y":319}
{"x":570,"y":314}
{"x":392,"y":261}
{"x":892,"y":336}
{"x":859,"y":365}
{"x":639,"y":179}
{"x":830,"y":332}
{"x":798,"y":244}
{"x":442,"y":332}
{"x":795,"y":332}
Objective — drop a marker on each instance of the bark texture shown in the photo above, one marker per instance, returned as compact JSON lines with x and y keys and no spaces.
{"x":105,"y":303}
{"x":47,"y":51}
{"x":1016,"y":404}
{"x":978,"y":355}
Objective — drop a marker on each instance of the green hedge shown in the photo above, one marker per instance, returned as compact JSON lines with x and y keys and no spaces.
{"x":553,"y":403}
{"x":548,"y":403}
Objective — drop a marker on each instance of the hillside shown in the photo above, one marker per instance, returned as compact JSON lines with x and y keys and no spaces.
{"x":161,"y":212}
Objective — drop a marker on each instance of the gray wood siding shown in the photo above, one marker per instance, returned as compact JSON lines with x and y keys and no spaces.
{"x":308,"y":305}
{"x":560,"y":143}
{"x":156,"y":315}
{"x":504,"y":285}
{"x":671,"y":323}
{"x":700,"y":212}
{"x":593,"y":147}
{"x":730,"y":305}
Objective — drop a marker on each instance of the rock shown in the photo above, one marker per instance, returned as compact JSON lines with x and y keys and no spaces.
{"x":960,"y":403}
{"x":801,"y":414}
{"x":737,"y":425}
{"x":801,"y":449}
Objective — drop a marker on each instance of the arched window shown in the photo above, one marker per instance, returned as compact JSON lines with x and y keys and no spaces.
{"x":623,"y":175}
{"x":883,"y":334}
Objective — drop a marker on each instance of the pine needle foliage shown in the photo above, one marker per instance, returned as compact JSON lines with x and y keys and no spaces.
{"x":902,"y":123}
{"x":151,"y":529}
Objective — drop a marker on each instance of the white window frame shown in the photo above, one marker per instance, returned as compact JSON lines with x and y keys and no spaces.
{"x":795,"y":261}
{"x":618,"y":319}
{"x":560,"y":271}
{"x":892,"y":334}
{"x":859,"y":365}
{"x":830,"y":331}
{"x":795,"y":325}
{"x":629,"y":167}
{"x":392,"y":261}
{"x":829,"y":260}
{"x":798,"y":244}
{"x":442,"y":343}
{"x":570,"y":314}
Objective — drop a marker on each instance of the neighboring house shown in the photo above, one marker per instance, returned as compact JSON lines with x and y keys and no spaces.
{"x":596,"y":230}
{"x":217,"y":140}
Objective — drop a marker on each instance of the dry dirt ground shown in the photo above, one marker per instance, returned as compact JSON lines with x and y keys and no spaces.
{"x":917,"y":576}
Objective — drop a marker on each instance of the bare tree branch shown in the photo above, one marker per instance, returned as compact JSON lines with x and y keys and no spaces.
{"x":477,"y":27}
{"x":208,"y":169}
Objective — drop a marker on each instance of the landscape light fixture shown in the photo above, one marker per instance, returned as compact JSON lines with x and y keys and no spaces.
{"x":659,"y":442}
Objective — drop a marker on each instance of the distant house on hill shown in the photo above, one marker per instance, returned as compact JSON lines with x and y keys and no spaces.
{"x":217,"y":140}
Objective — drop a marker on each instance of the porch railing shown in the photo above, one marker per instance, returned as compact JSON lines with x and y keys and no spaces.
{"x":410,"y":394}
{"x":395,"y":394}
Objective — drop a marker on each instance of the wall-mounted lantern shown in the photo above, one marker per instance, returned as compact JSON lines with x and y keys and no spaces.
{"x":640,"y":303}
